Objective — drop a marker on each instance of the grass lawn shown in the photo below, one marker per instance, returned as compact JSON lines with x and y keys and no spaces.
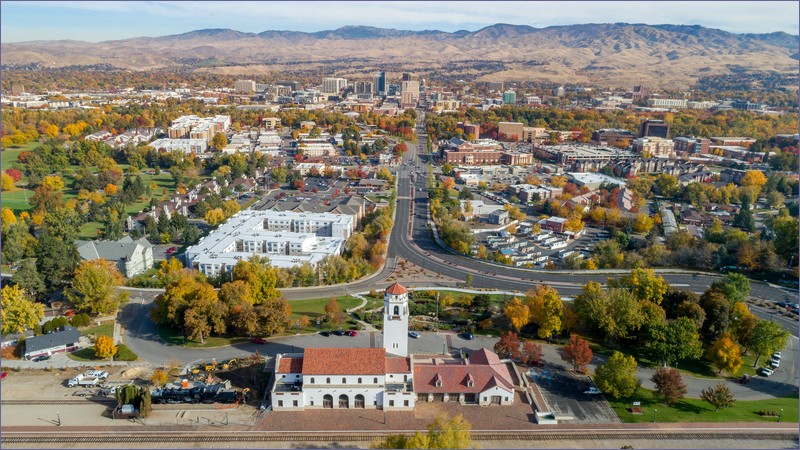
{"x":696,"y":410}
{"x":174,"y":337}
{"x":104,"y":329}
{"x":89,"y":230}
{"x":315,"y":309}
{"x":16,"y":199}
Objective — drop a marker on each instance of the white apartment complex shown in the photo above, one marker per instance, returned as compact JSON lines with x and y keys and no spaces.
{"x":333,"y":85}
{"x":183,"y":145}
{"x":195,"y":127}
{"x":655,"y":146}
{"x":287,"y":238}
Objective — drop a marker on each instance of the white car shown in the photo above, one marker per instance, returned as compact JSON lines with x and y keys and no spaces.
{"x":776,"y":355}
{"x":774,"y":363}
{"x":592,"y":391}
{"x":766,"y":371}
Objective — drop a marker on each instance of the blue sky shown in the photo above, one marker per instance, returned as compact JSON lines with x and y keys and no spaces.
{"x":96,"y":21}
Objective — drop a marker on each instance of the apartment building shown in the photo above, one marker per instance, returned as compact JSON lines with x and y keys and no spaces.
{"x":655,"y":146}
{"x":244,"y":86}
{"x":333,"y":86}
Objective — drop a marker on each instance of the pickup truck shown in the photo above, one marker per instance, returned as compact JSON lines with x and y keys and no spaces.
{"x":82,"y":380}
{"x":592,"y":391}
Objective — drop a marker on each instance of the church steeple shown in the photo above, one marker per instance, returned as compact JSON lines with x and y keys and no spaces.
{"x":395,"y":320}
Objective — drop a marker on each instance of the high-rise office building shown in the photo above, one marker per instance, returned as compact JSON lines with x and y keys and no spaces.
{"x":364,"y":87}
{"x":379,"y":82}
{"x":333,"y":85}
{"x":509,"y":97}
{"x":654,"y":128}
{"x":244,"y":86}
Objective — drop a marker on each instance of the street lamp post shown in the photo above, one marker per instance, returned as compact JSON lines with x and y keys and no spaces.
{"x":654,"y":415}
{"x":58,"y":416}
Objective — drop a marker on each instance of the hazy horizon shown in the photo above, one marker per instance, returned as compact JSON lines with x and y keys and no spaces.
{"x":24,"y":21}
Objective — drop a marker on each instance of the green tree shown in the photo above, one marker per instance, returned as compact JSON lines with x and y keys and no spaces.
{"x":674,"y":341}
{"x":669,"y":384}
{"x":717,"y":309}
{"x":785,"y":230}
{"x":28,"y":278}
{"x":667,"y":185}
{"x":94,"y":287}
{"x":768,"y":337}
{"x":735,"y":286}
{"x":56,"y":260}
{"x":720,"y":396}
{"x":18,"y":312}
{"x":617,"y":377}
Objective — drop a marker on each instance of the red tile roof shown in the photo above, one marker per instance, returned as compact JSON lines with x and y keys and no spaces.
{"x":396,"y":289}
{"x":484,"y":370}
{"x":484,"y":356}
{"x":344,"y":361}
{"x":290,"y":365}
{"x":398,"y":365}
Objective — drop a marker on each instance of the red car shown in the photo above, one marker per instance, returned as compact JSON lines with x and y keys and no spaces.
{"x":3,"y":375}
{"x":258,"y":340}
{"x":351,"y":333}
{"x":171,"y":250}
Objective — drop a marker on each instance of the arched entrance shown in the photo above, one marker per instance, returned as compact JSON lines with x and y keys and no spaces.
{"x":327,"y":401}
{"x":344,"y":402}
{"x":359,"y":401}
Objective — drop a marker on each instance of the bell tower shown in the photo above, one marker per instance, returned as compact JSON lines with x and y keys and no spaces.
{"x":395,"y":320}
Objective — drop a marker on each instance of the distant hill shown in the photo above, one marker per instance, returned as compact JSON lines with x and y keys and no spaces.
{"x":615,"y":54}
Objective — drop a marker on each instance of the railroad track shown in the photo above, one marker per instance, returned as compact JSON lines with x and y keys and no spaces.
{"x":117,"y":438}
{"x":66,"y":401}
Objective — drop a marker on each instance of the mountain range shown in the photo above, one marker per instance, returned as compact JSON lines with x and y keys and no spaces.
{"x":668,"y":56}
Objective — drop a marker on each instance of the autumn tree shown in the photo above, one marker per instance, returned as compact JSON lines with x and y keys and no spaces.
{"x":531,"y":353}
{"x":546,"y":310}
{"x":725,"y":354}
{"x":214,"y":216}
{"x":168,"y":271}
{"x":643,"y":283}
{"x":578,"y":353}
{"x":219,"y":141}
{"x":159,"y":377}
{"x":617,"y":377}
{"x":94,"y":287}
{"x":508,"y":345}
{"x":669,"y":384}
{"x":104,"y":347}
{"x":18,"y":312}
{"x":449,"y":433}
{"x":720,"y":396}
{"x":517,"y":313}
{"x":332,"y":310}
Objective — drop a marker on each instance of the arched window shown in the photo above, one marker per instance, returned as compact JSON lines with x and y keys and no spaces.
{"x":359,"y":380}
{"x":344,"y":381}
{"x":312,"y":380}
{"x":375,"y":380}
{"x":396,"y":310}
{"x":327,"y":381}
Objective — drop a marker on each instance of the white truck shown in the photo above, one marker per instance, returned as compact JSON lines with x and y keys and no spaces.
{"x":84,"y":381}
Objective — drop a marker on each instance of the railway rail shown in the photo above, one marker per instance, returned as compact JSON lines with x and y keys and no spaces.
{"x":70,"y":401}
{"x":239,"y":437}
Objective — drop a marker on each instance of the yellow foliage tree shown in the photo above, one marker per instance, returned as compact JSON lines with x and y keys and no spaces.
{"x":517,"y":313}
{"x":643,"y":223}
{"x":8,"y":218}
{"x":7,"y":182}
{"x":159,"y":377}
{"x":754,"y":178}
{"x":104,"y":347}
{"x":558,"y":181}
{"x":215,"y":216}
{"x":110,"y":189}
{"x":725,"y":354}
{"x":230,"y":207}
{"x":53,"y":183}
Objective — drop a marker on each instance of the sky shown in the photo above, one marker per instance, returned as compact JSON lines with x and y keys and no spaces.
{"x":95,"y":21}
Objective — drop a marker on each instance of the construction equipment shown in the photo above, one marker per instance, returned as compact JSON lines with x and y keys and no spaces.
{"x":232,"y":364}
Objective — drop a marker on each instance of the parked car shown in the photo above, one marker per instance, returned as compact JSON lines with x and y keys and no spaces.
{"x":776,"y":355}
{"x":774,"y":363}
{"x":42,"y":358}
{"x":467,"y":335}
{"x":324,"y":333}
{"x":744,"y":379}
{"x":413,"y":334}
{"x":592,"y":391}
{"x":766,"y":371}
{"x":351,"y":333}
{"x":258,"y":340}
{"x":3,"y":375}
{"x":338,"y":332}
